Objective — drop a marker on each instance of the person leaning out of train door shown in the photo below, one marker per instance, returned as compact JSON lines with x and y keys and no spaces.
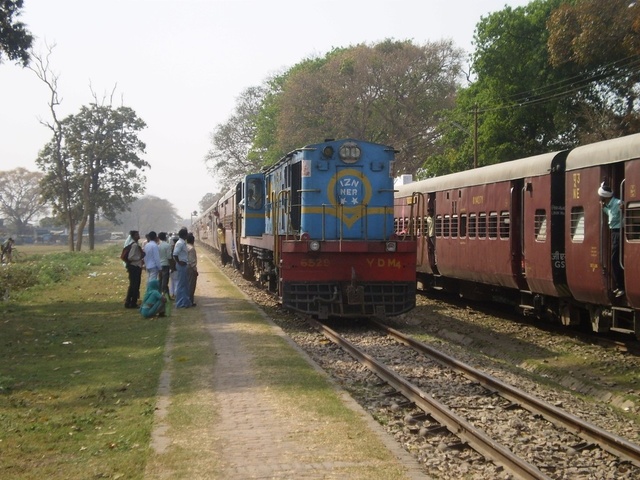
{"x":612,"y":206}
{"x":431,"y":238}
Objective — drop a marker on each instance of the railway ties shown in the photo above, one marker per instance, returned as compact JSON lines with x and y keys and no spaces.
{"x":543,"y":440}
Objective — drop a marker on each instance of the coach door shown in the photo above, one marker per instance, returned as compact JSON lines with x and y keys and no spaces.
{"x":630,"y":240}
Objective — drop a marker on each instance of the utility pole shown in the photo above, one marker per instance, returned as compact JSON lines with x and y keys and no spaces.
{"x":475,"y":136}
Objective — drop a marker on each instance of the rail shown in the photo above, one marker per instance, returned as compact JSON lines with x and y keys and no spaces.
{"x":613,"y":444}
{"x":476,"y":438}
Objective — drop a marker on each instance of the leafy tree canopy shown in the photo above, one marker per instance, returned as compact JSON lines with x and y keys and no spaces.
{"x":208,"y":200}
{"x":15,"y":39}
{"x":20,"y":199}
{"x":393,"y":93}
{"x":600,"y":43}
{"x":98,"y":165}
{"x":150,"y":213}
{"x":547,"y":76}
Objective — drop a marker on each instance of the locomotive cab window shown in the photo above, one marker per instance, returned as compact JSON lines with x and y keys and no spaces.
{"x":540,"y":225}
{"x":577,"y":224}
{"x":255,"y":198}
{"x":632,"y":222}
{"x":505,"y":223}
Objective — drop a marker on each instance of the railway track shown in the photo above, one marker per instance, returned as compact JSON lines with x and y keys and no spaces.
{"x":526,"y":436}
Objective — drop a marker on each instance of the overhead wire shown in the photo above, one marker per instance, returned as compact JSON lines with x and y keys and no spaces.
{"x":567,"y":86}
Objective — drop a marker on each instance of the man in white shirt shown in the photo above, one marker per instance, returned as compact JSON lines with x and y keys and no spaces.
{"x":152,"y":257}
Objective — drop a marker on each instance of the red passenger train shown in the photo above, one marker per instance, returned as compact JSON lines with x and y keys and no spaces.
{"x":533,"y":231}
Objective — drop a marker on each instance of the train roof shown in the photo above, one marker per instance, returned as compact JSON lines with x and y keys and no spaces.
{"x":602,"y":153}
{"x":499,"y":172}
{"x":316,"y":146}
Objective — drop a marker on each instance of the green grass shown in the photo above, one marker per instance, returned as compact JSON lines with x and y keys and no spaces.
{"x":78,"y":372}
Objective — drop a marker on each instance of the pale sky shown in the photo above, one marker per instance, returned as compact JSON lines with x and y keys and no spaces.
{"x":181,"y":65}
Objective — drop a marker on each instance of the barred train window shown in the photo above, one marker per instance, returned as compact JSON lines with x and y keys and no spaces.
{"x":493,"y":224}
{"x":445,"y":226}
{"x":454,"y":226}
{"x":482,"y":225}
{"x":577,"y":224}
{"x":540,"y":225}
{"x":505,"y":222}
{"x":472,"y":225}
{"x":463,"y":225}
{"x":439,"y":226}
{"x":632,"y":222}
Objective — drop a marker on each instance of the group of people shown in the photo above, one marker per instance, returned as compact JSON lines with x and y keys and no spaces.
{"x":171,"y":263}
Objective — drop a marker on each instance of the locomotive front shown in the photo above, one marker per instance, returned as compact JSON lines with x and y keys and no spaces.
{"x":339,"y":255}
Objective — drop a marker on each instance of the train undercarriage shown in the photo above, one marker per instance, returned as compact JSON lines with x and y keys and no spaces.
{"x":568,"y":312}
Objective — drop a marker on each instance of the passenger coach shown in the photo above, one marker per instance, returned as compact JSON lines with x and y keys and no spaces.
{"x":532,"y":231}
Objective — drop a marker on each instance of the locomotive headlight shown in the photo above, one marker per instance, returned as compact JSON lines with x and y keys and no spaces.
{"x":350,"y":152}
{"x":390,"y":246}
{"x":314,"y":245}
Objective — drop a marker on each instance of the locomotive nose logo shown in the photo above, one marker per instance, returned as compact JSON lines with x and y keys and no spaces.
{"x":350,"y":191}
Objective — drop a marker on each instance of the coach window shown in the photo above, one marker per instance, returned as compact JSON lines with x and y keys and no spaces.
{"x":445,"y":226}
{"x":493,"y":225}
{"x":439,"y":226}
{"x":463,"y":225}
{"x":472,"y":225}
{"x":540,"y":225}
{"x":632,"y":222}
{"x":505,"y":222}
{"x":454,"y":226}
{"x":577,"y":224}
{"x":482,"y":225}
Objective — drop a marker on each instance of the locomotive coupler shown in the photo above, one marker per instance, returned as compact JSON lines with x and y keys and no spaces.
{"x":355,"y":292}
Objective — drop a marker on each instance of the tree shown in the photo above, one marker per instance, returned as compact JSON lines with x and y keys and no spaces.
{"x":15,"y":39}
{"x":104,"y":148}
{"x":150,"y":213}
{"x":208,"y":200}
{"x":229,"y":157}
{"x":512,"y":98}
{"x":393,"y":93}
{"x":57,"y":182}
{"x":600,"y":42}
{"x":20,"y":198}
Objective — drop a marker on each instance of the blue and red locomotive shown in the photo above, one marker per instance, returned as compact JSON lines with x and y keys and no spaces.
{"x":533,"y":231}
{"x":318,"y":228}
